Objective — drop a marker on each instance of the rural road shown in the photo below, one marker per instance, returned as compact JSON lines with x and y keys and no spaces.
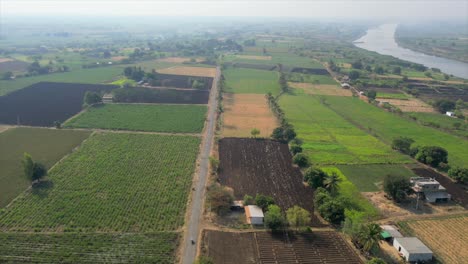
{"x":189,"y":251}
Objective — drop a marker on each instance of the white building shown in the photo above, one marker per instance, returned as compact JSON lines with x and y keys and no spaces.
{"x":412,"y":249}
{"x":451,"y":114}
{"x":254,"y":215}
{"x":432,"y":190}
{"x":345,"y":86}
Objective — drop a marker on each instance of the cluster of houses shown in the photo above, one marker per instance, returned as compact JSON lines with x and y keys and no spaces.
{"x":410,"y":248}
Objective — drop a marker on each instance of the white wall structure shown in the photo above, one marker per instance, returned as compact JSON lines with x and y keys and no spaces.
{"x":412,"y":249}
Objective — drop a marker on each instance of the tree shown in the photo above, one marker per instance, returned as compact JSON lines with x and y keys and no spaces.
{"x":214,"y":163}
{"x":273,"y":217}
{"x":369,"y":236}
{"x":57,"y":124}
{"x":7,"y":75}
{"x":289,"y":134}
{"x":396,"y":186}
{"x":277,"y":133}
{"x":332,"y":211}
{"x":220,"y":199}
{"x":402,"y":144}
{"x":332,"y":182}
{"x":376,"y":261}
{"x":255,"y":132}
{"x":444,"y":105}
{"x":91,"y":98}
{"x":459,"y":174}
{"x":315,"y":177}
{"x":379,"y":70}
{"x":446,"y":77}
{"x":301,"y":160}
{"x":28,"y":166}
{"x":298,"y":217}
{"x":357,"y":64}
{"x":39,"y":171}
{"x":321,"y":196}
{"x":432,"y":155}
{"x":396,"y":70}
{"x":248,"y":200}
{"x":372,"y":94}
{"x":353,"y":75}
{"x":263,"y":201}
{"x":295,"y":149}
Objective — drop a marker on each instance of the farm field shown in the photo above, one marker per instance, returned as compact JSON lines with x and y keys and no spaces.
{"x":446,"y":237}
{"x":160,"y":95}
{"x":115,"y":182}
{"x":266,"y":247}
{"x":179,"y":59}
{"x":190,"y":71}
{"x":311,"y":78}
{"x":45,"y":145}
{"x":253,"y":57}
{"x":369,"y":177}
{"x":15,"y":66}
{"x":400,"y":96}
{"x":90,"y":76}
{"x":455,"y":126}
{"x":283,"y":57}
{"x":261,"y":166}
{"x":88,"y":247}
{"x":321,"y":89}
{"x":330,"y":139}
{"x":137,"y":117}
{"x":239,"y":80}
{"x":43,"y":103}
{"x":243,"y":112}
{"x":387,"y":126}
{"x":409,"y":105}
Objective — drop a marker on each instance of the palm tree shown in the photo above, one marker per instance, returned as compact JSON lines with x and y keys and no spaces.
{"x":369,"y":236}
{"x":331,"y":183}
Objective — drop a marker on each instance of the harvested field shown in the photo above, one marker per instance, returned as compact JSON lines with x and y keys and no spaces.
{"x":243,"y":112}
{"x":409,"y":105}
{"x":264,"y":67}
{"x":190,"y":71}
{"x":265,"y":247}
{"x":179,"y":59}
{"x":13,"y":66}
{"x":43,"y":103}
{"x":253,"y":57}
{"x":261,"y":166}
{"x":321,"y":89}
{"x":445,"y":236}
{"x":118,"y":58}
{"x":458,"y":192}
{"x":318,"y":71}
{"x":161,"y":95}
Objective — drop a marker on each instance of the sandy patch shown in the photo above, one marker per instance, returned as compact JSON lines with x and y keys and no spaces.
{"x":321,"y":89}
{"x":179,"y":59}
{"x":5,"y":60}
{"x":4,"y":128}
{"x":191,"y":71}
{"x":243,"y":112}
{"x":253,"y":57}
{"x":409,"y":105}
{"x":118,"y":58}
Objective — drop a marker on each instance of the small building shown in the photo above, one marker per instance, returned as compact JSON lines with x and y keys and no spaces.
{"x":237,"y":205}
{"x":430,"y":188}
{"x":390,"y":232}
{"x":345,"y":86}
{"x":412,"y":249}
{"x":107,"y":98}
{"x":451,"y":114}
{"x":254,"y":215}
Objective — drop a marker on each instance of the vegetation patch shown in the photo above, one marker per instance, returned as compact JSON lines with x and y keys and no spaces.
{"x":190,"y":71}
{"x":156,"y":118}
{"x":408,"y":104}
{"x":254,"y":57}
{"x":160,"y":95}
{"x":239,"y":80}
{"x":321,"y":89}
{"x":455,"y":126}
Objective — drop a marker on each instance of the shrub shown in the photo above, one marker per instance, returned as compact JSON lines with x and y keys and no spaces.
{"x":264,"y":201}
{"x":432,"y":155}
{"x":459,"y":174}
{"x":301,"y":160}
{"x":332,"y":211}
{"x":295,"y":149}
{"x":220,"y":199}
{"x":315,"y":177}
{"x":273,"y":217}
{"x":396,"y":186}
{"x":248,"y":200}
{"x":402,"y":144}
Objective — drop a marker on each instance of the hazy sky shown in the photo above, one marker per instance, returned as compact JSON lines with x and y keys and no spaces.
{"x":292,"y":8}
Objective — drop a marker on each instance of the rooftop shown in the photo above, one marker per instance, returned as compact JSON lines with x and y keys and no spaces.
{"x":413,"y":245}
{"x":253,"y":211}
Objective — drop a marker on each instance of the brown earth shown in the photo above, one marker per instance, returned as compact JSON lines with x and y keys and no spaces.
{"x":321,"y":89}
{"x":253,"y":57}
{"x":178,"y":59}
{"x":5,"y":60}
{"x":118,"y":58}
{"x":265,"y":247}
{"x":261,"y":166}
{"x":243,"y":112}
{"x":190,"y":71}
{"x":409,"y":105}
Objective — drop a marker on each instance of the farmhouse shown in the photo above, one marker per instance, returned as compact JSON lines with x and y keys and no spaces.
{"x":345,"y":86}
{"x":430,"y":188}
{"x":412,"y":249}
{"x":254,"y":215}
{"x":451,"y":114}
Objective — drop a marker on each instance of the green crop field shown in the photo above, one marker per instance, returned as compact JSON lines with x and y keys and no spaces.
{"x":311,"y":78}
{"x":115,"y":182}
{"x":239,"y":80}
{"x":88,"y":248}
{"x":330,"y":139}
{"x":455,"y":126}
{"x":139,"y":117}
{"x":45,"y":145}
{"x":388,"y":126}
{"x":400,"y":96}
{"x":94,"y":76}
{"x":283,"y":57}
{"x":369,"y":177}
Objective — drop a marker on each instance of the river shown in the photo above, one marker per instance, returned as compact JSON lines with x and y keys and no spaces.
{"x":382,"y":40}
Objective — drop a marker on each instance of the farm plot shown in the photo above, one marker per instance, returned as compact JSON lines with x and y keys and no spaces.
{"x":387,"y":126}
{"x":265,"y":247}
{"x":88,"y":248}
{"x":43,"y":103}
{"x":259,"y":166}
{"x":445,"y":236}
{"x":321,"y":89}
{"x":116,"y":182}
{"x":160,"y":95}
{"x":137,"y":117}
{"x":253,"y":57}
{"x":239,"y":80}
{"x":243,"y":112}
{"x":317,"y":79}
{"x":13,"y":66}
{"x":45,"y":145}
{"x":190,"y":71}
{"x":453,"y":125}
{"x":330,"y":139}
{"x":179,"y":59}
{"x":409,"y":105}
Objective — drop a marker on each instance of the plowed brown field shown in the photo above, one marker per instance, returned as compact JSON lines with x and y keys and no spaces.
{"x":190,"y":71}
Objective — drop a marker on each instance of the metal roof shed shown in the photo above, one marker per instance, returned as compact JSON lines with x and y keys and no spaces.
{"x":412,"y":249}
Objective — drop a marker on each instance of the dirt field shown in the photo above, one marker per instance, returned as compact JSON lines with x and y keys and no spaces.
{"x":410,"y":105}
{"x":265,"y":247}
{"x":5,"y":60}
{"x":243,"y":112}
{"x":261,"y":166}
{"x":190,"y":71}
{"x":178,"y":59}
{"x":4,"y":128}
{"x":445,"y":237}
{"x":321,"y":89}
{"x":118,"y":58}
{"x":253,"y":57}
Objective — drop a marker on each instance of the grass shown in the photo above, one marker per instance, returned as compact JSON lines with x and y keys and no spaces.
{"x":369,"y":177}
{"x":45,"y":145}
{"x":400,"y":96}
{"x":88,"y":248}
{"x":136,"y":117}
{"x":285,"y":58}
{"x":330,"y":139}
{"x":311,"y":78}
{"x":116,"y":182}
{"x":239,"y":80}
{"x":93,"y":76}
{"x":452,"y":125}
{"x":351,"y":194}
{"x":388,"y":126}
{"x":123,"y":81}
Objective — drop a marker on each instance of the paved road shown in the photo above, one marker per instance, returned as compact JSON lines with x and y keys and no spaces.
{"x":193,"y":226}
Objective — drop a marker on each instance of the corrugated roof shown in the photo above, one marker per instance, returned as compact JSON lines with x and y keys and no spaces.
{"x":413,"y":245}
{"x":254,"y":211}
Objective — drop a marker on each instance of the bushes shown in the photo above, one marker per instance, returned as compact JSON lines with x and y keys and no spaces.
{"x":263,"y":201}
{"x":315,"y":177}
{"x":330,"y":208}
{"x":459,"y":174}
{"x":402,"y":144}
{"x":220,"y":199}
{"x":301,"y":160}
{"x":274,"y":218}
{"x":432,"y":155}
{"x":396,"y":186}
